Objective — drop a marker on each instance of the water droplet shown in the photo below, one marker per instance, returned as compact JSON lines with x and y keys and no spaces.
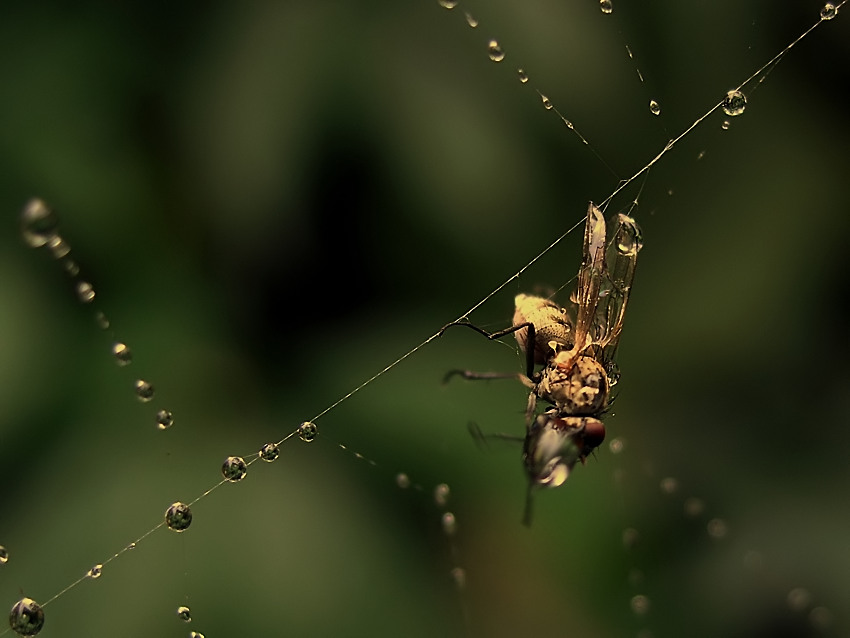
{"x":694,"y":507}
{"x":606,"y":6}
{"x":131,"y":546}
{"x":123,"y":355}
{"x":38,"y":224}
{"x":4,"y":555}
{"x":753,"y":561}
{"x":617,"y":445}
{"x":144,"y":390}
{"x":495,"y":51}
{"x":799,"y":599}
{"x":636,"y":577}
{"x":164,"y":419}
{"x":630,"y":537}
{"x":85,"y":292}
{"x":269,"y":452}
{"x":734,"y":103}
{"x":26,"y":617}
{"x":828,"y":12}
{"x":472,"y":22}
{"x":402,"y":480}
{"x":725,"y":125}
{"x":196,"y":634}
{"x":70,"y":267}
{"x":234,"y":469}
{"x":178,"y":516}
{"x":717,"y":528}
{"x":447,"y":4}
{"x":669,"y":485}
{"x":654,"y":107}
{"x":307,"y":431}
{"x":185,"y":614}
{"x":441,"y":494}
{"x":523,"y":77}
{"x":95,"y":572}
{"x":547,"y":103}
{"x":459,"y":577}
{"x":700,"y":155}
{"x":58,"y":247}
{"x":821,"y":618}
{"x":640,"y":604}
{"x":101,"y":320}
{"x":449,"y":524}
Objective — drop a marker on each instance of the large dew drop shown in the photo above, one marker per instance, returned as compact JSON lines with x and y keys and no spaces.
{"x":628,"y":239}
{"x":38,"y":223}
{"x":495,"y":51}
{"x":234,"y":469}
{"x":178,"y":517}
{"x":26,"y":617}
{"x":307,"y":431}
{"x":606,"y":6}
{"x":184,"y":613}
{"x":269,"y":452}
{"x":164,"y":419}
{"x":144,"y":390}
{"x":828,"y":12}
{"x":734,"y":103}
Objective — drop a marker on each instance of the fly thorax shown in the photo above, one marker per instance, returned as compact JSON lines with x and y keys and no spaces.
{"x":581,"y":388}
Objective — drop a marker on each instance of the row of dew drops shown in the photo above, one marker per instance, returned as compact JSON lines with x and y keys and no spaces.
{"x":39,"y":228}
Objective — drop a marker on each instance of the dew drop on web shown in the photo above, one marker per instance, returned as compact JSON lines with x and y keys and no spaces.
{"x":717,"y":528}
{"x":828,"y":12}
{"x":164,"y":419}
{"x":95,"y":572}
{"x":26,"y":617}
{"x":196,"y":634}
{"x":184,"y":613}
{"x":269,"y":452}
{"x":402,"y":480}
{"x":441,"y":494}
{"x":178,"y":517}
{"x":85,"y":292}
{"x":447,"y":4}
{"x":547,"y":103}
{"x":654,"y":107}
{"x":640,"y":605}
{"x":471,"y":21}
{"x":4,"y":555}
{"x":669,"y":485}
{"x":725,"y":125}
{"x":123,"y":355}
{"x":234,"y":469}
{"x":734,"y":103}
{"x":606,"y":6}
{"x":307,"y":431}
{"x":523,"y":77}
{"x":144,"y":390}
{"x":39,"y":223}
{"x":495,"y":51}
{"x":449,"y":524}
{"x":799,"y":599}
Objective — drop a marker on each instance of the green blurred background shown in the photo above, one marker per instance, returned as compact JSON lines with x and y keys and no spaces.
{"x":276,"y":200}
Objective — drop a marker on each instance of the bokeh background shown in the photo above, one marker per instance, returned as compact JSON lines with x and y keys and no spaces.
{"x":276,"y":200}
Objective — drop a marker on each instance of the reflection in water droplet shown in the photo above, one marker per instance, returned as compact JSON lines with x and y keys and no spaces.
{"x":472,"y":22}
{"x":178,"y":516}
{"x":307,"y":431}
{"x":447,"y":4}
{"x":85,"y":292}
{"x":495,"y":51}
{"x":640,"y":604}
{"x":123,"y":355}
{"x":734,"y":103}
{"x":269,"y":452}
{"x":828,"y":12}
{"x":95,"y":572}
{"x":669,"y":485}
{"x":4,"y":555}
{"x":26,"y":617}
{"x":694,"y":507}
{"x":606,"y":6}
{"x":441,"y":494}
{"x":717,"y":528}
{"x":402,"y":480}
{"x":164,"y":419}
{"x":654,"y":107}
{"x":449,"y":524}
{"x":38,"y":223}
{"x":234,"y":469}
{"x":523,"y":77}
{"x":547,"y":103}
{"x":185,"y":614}
{"x":799,"y":599}
{"x":144,"y":390}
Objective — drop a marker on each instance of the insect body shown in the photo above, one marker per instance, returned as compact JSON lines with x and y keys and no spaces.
{"x":575,"y":348}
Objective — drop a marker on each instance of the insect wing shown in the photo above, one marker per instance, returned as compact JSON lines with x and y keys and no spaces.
{"x":590,"y":278}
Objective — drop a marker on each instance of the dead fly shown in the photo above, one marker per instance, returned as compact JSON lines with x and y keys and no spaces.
{"x":575,"y":347}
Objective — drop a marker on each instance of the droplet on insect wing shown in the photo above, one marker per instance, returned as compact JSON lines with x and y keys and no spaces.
{"x":95,"y":572}
{"x":447,"y":4}
{"x":26,"y":617}
{"x":184,"y":613}
{"x":178,"y":517}
{"x":164,"y":419}
{"x":495,"y":51}
{"x":38,"y":223}
{"x":123,"y":355}
{"x":144,"y":390}
{"x":234,"y":469}
{"x":734,"y":103}
{"x":606,"y":6}
{"x":828,"y":12}
{"x":654,"y":107}
{"x":629,"y":238}
{"x":472,"y":22}
{"x":85,"y":292}
{"x":269,"y":452}
{"x":523,"y":77}
{"x":307,"y":431}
